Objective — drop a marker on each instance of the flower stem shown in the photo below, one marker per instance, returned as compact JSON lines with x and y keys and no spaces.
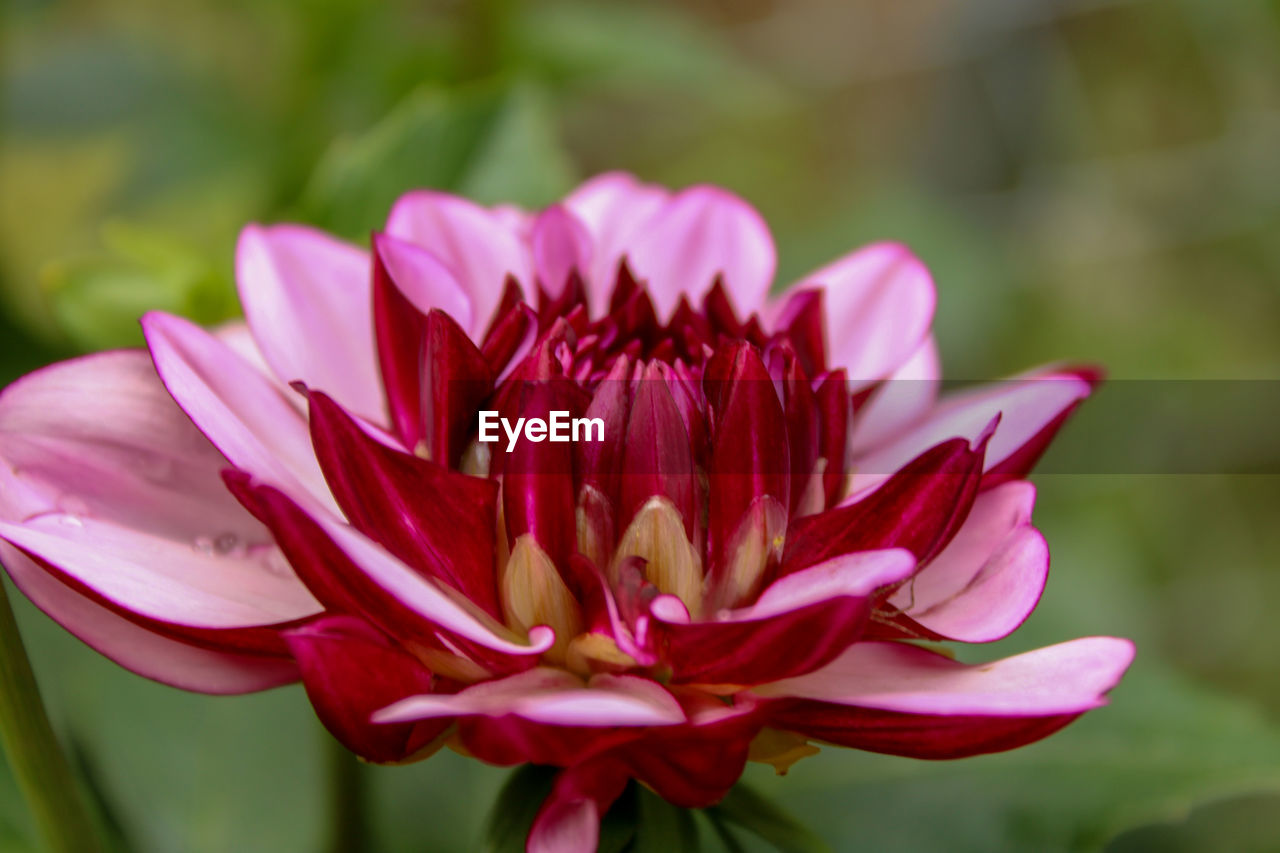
{"x":348,"y":816}
{"x":51,"y":790}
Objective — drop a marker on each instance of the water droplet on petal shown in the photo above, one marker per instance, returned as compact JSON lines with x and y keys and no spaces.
{"x":226,"y":544}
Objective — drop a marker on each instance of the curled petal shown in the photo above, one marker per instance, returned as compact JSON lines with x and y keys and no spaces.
{"x":987,"y":581}
{"x":1030,"y":409}
{"x":906,"y":700}
{"x":142,"y":648}
{"x":799,"y":623}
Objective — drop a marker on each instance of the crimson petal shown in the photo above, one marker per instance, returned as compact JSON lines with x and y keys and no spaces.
{"x":350,"y":670}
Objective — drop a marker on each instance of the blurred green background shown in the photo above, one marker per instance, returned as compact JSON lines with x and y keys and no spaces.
{"x":1089,"y":179}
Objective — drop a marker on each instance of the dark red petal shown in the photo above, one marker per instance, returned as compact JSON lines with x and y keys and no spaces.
{"x":599,"y":463}
{"x":919,"y":508}
{"x":762,"y":650}
{"x":351,"y":670}
{"x":510,"y":740}
{"x":657,"y":457}
{"x":832,"y":400}
{"x":514,"y":331}
{"x":802,"y":324}
{"x":933,"y":736}
{"x":748,"y":445}
{"x":438,"y":521}
{"x":400,"y":331}
{"x":569,"y":819}
{"x":718,"y":308}
{"x":694,"y":766}
{"x":537,"y":486}
{"x":340,"y":584}
{"x":457,"y":381}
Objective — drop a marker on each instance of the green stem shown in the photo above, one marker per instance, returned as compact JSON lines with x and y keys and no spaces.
{"x":348,"y":817}
{"x":39,"y":764}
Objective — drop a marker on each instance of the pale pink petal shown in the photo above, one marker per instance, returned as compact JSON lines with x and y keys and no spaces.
{"x":552,"y":697}
{"x":100,"y":436}
{"x":139,"y":650}
{"x":614,"y":207}
{"x":904,"y":398}
{"x":701,"y":233}
{"x":479,"y":247}
{"x":307,"y":299}
{"x":857,"y":574}
{"x":213,"y":585}
{"x":989,"y":578}
{"x":561,"y":245}
{"x":879,"y":305}
{"x":423,"y":279}
{"x":1025,"y":406}
{"x":246,"y":417}
{"x":1068,"y":678}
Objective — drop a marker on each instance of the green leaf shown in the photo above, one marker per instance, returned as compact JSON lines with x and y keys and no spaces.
{"x":759,"y":815}
{"x":642,"y":48}
{"x":492,"y":142}
{"x":662,"y":827}
{"x":516,"y":806}
{"x":97,"y":300}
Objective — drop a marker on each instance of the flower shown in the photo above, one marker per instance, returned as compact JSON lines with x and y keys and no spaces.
{"x":777,"y":506}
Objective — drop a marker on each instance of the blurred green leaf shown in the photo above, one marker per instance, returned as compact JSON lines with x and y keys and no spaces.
{"x":746,"y":808}
{"x":516,"y":806}
{"x":662,"y":827}
{"x":1164,"y":746}
{"x":495,"y":143}
{"x":641,"y":47}
{"x":97,"y":300}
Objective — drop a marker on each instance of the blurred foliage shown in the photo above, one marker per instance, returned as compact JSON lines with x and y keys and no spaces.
{"x":1088,"y":179}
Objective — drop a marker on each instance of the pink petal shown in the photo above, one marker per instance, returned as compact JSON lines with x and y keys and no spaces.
{"x":904,"y":398}
{"x":561,"y":244}
{"x":164,"y":579}
{"x":569,"y":820}
{"x":100,"y":436}
{"x":1026,"y":406}
{"x":701,"y":233}
{"x":1068,"y":678}
{"x":613,"y":207}
{"x":551,"y":696}
{"x":306,"y":297}
{"x":424,"y":280}
{"x":246,"y":417}
{"x":879,"y":305}
{"x":988,"y":580}
{"x":140,"y":650}
{"x":478,"y":247}
{"x":858,"y":574}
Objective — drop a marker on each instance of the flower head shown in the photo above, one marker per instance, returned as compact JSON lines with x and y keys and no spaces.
{"x":768,"y":503}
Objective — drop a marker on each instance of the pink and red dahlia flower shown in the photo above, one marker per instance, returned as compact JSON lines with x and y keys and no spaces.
{"x":778,"y":507}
